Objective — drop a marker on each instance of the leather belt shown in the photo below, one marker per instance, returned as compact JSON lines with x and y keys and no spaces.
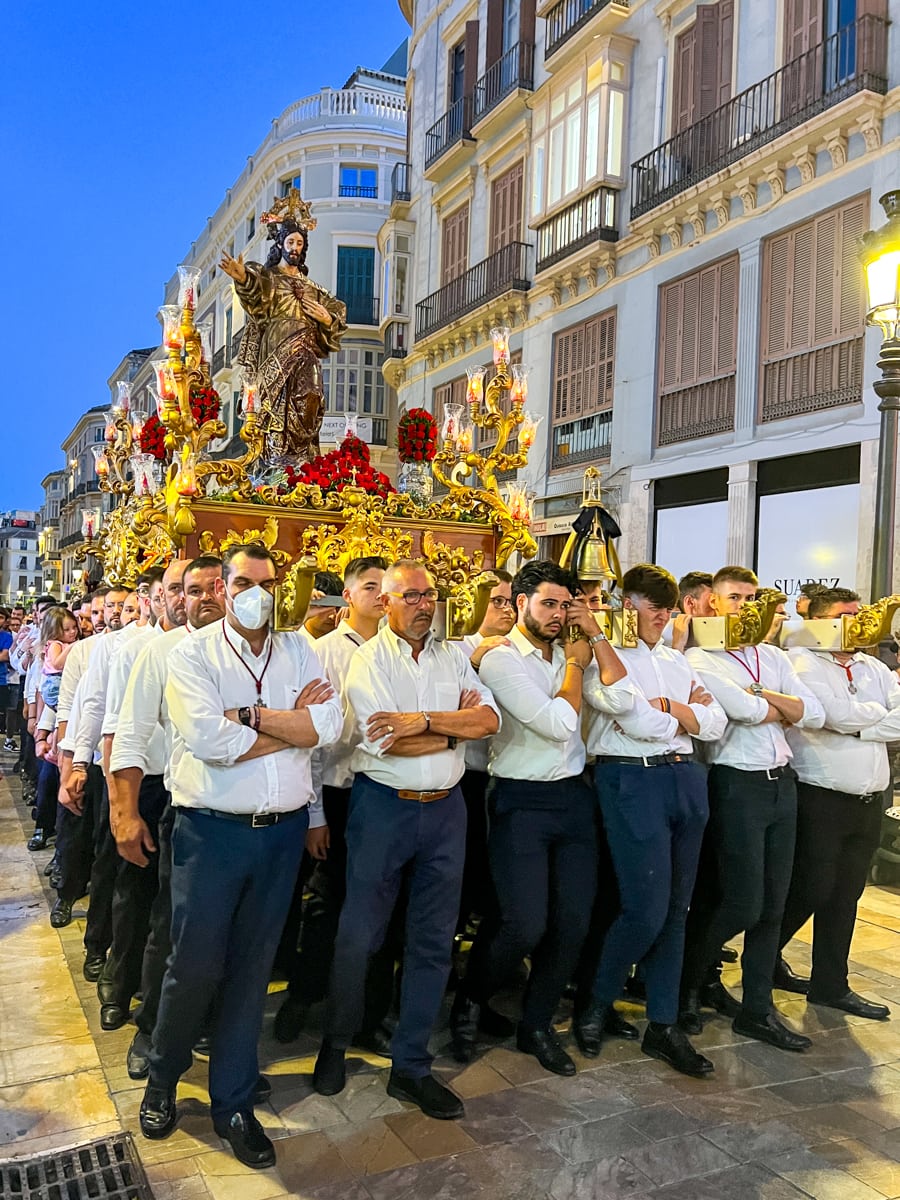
{"x":254,"y":820}
{"x":785,"y":771}
{"x":423,"y":797}
{"x":648,"y":760}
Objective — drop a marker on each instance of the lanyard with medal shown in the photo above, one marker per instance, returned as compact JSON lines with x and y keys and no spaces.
{"x":756,"y":686}
{"x":257,"y":679}
{"x":847,"y":668}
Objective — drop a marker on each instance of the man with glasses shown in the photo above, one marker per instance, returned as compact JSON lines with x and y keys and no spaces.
{"x":415,"y":700}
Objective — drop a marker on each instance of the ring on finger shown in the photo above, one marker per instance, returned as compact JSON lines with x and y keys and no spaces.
{"x":389,"y":728}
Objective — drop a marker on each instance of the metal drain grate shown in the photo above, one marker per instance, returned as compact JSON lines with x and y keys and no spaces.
{"x":108,"y":1169}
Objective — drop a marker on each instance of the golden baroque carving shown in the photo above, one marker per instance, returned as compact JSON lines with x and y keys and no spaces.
{"x":266,"y":537}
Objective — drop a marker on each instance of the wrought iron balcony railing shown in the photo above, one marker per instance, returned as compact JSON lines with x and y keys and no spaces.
{"x":235,"y":344}
{"x":567,"y":17}
{"x":395,"y":336}
{"x":362,"y":309}
{"x":218,"y":361}
{"x":454,"y":125}
{"x":852,"y":60}
{"x":809,"y":381}
{"x":400,"y":183}
{"x":513,"y":71}
{"x":591,"y":218}
{"x":504,"y":271}
{"x":699,"y":410}
{"x":587,"y":440}
{"x":357,"y":191}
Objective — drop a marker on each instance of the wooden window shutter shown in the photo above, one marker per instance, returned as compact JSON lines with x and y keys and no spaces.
{"x":707,"y":332}
{"x":800,"y":287}
{"x":683,"y":85}
{"x":526,"y":21}
{"x":776,"y":273}
{"x":824,"y":294}
{"x":669,"y":324}
{"x":562,"y":358}
{"x":727,"y":316}
{"x":849,"y":280}
{"x":506,"y":208}
{"x":494,"y":37}
{"x":690,"y":313}
{"x":802,"y":27}
{"x":725,"y":35}
{"x":706,"y":59}
{"x":470,"y":66}
{"x":455,"y":245}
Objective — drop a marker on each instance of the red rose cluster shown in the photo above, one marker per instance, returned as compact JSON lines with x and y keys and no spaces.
{"x":417,"y":436}
{"x":334,"y":471}
{"x":205,"y":407}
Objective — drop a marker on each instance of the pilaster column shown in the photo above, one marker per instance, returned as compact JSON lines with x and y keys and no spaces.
{"x":747,"y":381}
{"x":741,"y":514}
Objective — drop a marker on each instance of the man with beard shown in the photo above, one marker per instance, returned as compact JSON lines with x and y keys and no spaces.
{"x":542,"y":843}
{"x":415,"y":699}
{"x":291,"y":324}
{"x":142,"y":742}
{"x":247,"y":705}
{"x":135,"y":887}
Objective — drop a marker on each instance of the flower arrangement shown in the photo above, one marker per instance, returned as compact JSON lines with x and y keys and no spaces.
{"x":205,"y":407}
{"x":348,"y":465}
{"x":417,"y":436}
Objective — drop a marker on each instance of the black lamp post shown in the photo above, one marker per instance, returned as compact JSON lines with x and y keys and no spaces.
{"x":880,"y":255}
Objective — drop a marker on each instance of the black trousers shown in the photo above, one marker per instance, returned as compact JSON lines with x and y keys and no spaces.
{"x":752,"y":827}
{"x":543,"y":857}
{"x":322,"y":913}
{"x":134,"y":890}
{"x":98,"y":928}
{"x":75,"y":839}
{"x":47,"y":791}
{"x":837,"y":834}
{"x":607,"y":907}
{"x":159,"y":937}
{"x":477,"y":891}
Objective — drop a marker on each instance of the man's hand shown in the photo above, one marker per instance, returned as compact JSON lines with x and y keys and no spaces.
{"x":389,"y":727}
{"x":579,"y":614}
{"x":489,"y":643}
{"x":317,"y":691}
{"x":75,"y":804}
{"x":318,"y":842}
{"x":314,"y":309}
{"x":132,"y":839}
{"x":681,"y":631}
{"x":699,"y":695}
{"x":234,"y":266}
{"x":76,"y":781}
{"x":579,"y":652}
{"x":470,"y":698}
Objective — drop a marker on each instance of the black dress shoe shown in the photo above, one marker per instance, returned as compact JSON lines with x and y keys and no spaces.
{"x":158,"y":1112}
{"x":262,"y":1091}
{"x":769,"y":1029}
{"x":856,"y":1005}
{"x":785,"y":979}
{"x":615,"y":1025}
{"x":587,"y":1029}
{"x":376,"y":1041}
{"x":330,"y":1073}
{"x":247,"y":1139}
{"x":113,"y":1016}
{"x":137,"y":1060}
{"x":432,"y":1097}
{"x":728,"y":954}
{"x":51,"y":867}
{"x":200,"y":1048}
{"x":669,"y":1043}
{"x":61,"y":913}
{"x":290,"y":1019}
{"x":689,"y":1012}
{"x":93,"y":966}
{"x":464,"y":1016}
{"x":716,"y":995}
{"x":544,"y":1045}
{"x":38,"y":840}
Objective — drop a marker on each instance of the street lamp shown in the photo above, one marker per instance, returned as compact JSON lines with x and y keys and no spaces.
{"x":880,"y":255}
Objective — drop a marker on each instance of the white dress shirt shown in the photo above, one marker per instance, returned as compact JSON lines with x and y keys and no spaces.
{"x":626,"y":722}
{"x":69,"y":741}
{"x":747,"y":744}
{"x":540,"y":737}
{"x":384,"y":677}
{"x":206,"y":677}
{"x":335,"y":651}
{"x":832,"y":757}
{"x":144,"y":733}
{"x":120,"y":668}
{"x":477,"y":752}
{"x":75,"y":666}
{"x":87,"y":732}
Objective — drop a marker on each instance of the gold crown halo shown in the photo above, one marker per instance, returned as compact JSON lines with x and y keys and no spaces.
{"x":291,"y":207}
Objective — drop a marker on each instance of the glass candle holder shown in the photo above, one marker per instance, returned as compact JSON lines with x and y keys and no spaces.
{"x":170,"y":315}
{"x":465,"y":438}
{"x":249,"y":402}
{"x":123,"y":396}
{"x":138,"y":417}
{"x":528,"y":430}
{"x":452,"y":422}
{"x":142,"y":471}
{"x":90,"y":523}
{"x":205,"y":330}
{"x":110,"y":432}
{"x":518,"y":392}
{"x":188,"y":283}
{"x":500,"y":342}
{"x":101,"y":462}
{"x":475,"y":388}
{"x":351,"y":425}
{"x":186,"y":477}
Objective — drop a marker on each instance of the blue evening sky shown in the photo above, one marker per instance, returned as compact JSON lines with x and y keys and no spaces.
{"x":116,"y":146}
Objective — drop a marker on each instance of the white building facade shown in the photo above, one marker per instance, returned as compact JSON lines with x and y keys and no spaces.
{"x":20,"y":572}
{"x":664,"y":202}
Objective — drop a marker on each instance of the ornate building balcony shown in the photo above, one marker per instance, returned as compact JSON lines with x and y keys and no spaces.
{"x":575,"y":21}
{"x":396,"y":335}
{"x":592,"y":218}
{"x":760,"y":119}
{"x":449,"y":139}
{"x":502,"y":86}
{"x":362,"y":309}
{"x":400,"y":183}
{"x":504,"y":271}
{"x":586,"y":440}
{"x":813,"y":380}
{"x":700,"y":410}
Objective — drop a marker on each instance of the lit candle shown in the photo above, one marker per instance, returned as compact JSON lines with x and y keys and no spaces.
{"x":170,"y":315}
{"x":137,"y":424}
{"x":528,"y":430}
{"x":464,"y":441}
{"x":186,"y":484}
{"x":518,"y":392}
{"x":500,"y":340}
{"x":123,"y":395}
{"x":249,"y":398}
{"x":188,"y":281}
{"x":110,"y":431}
{"x":475,"y":390}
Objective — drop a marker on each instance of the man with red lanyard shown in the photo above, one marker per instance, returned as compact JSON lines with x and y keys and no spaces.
{"x":752,"y":817}
{"x":247,"y":705}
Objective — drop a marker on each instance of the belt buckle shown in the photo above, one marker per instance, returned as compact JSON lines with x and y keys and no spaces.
{"x":263,"y":820}
{"x":771,"y":773}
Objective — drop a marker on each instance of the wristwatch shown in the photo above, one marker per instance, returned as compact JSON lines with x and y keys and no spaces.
{"x":245,"y":716}
{"x":452,"y":743}
{"x":427,"y":717}
{"x":598,"y":637}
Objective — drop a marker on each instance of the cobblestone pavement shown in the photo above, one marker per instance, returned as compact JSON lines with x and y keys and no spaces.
{"x":767,"y":1125}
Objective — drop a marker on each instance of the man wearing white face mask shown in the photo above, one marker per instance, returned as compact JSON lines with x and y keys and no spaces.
{"x":246,"y":707}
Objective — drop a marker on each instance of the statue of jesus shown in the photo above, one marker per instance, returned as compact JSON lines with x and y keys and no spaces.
{"x":292,"y":323}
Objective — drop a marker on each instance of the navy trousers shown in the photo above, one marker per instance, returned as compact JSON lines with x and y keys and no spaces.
{"x":389,"y":840}
{"x":98,"y":927}
{"x":231,"y":888}
{"x":159,"y":937}
{"x":75,"y":840}
{"x":543,"y":856}
{"x":654,"y":819}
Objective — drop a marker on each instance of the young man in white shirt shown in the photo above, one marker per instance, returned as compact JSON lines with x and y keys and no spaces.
{"x":247,"y":705}
{"x":542,"y":843}
{"x":844,"y":786}
{"x":416,"y":700}
{"x":752,"y":822}
{"x":308,"y":981}
{"x":653,"y":798}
